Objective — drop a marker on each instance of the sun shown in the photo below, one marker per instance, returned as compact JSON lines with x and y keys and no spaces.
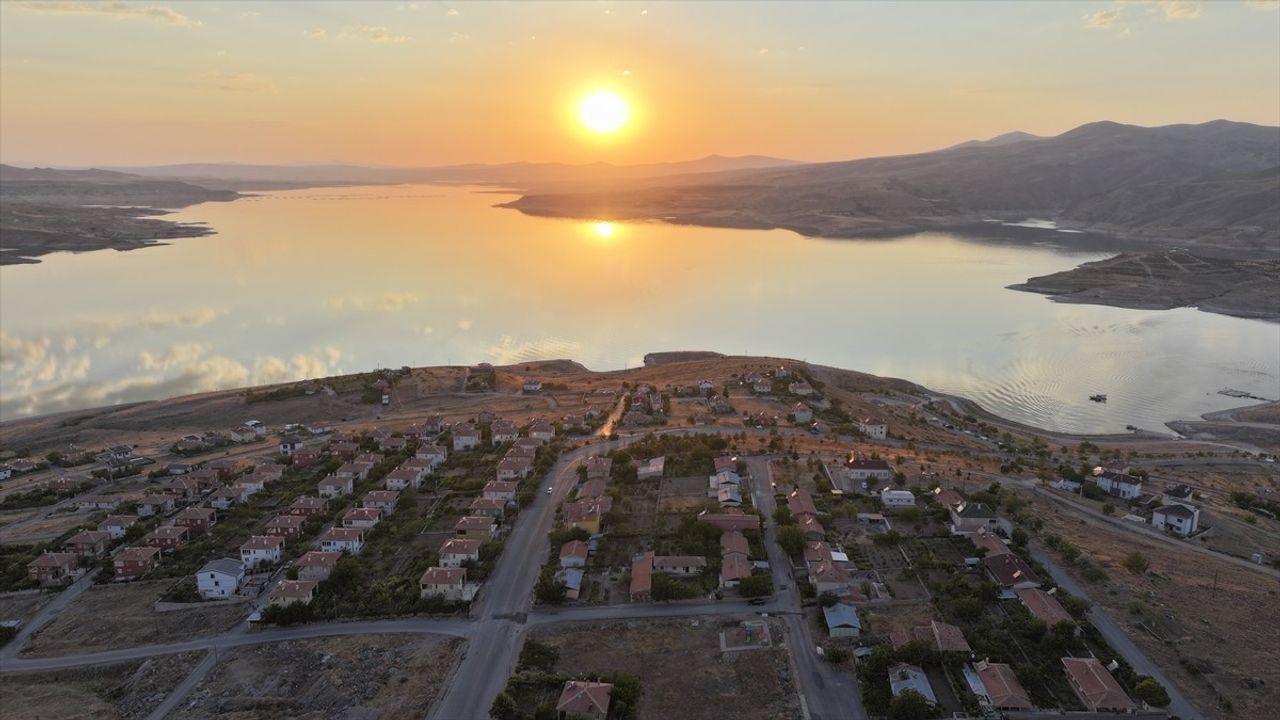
{"x":603,"y":112}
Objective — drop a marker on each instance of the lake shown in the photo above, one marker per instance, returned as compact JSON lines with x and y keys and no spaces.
{"x":314,"y":282}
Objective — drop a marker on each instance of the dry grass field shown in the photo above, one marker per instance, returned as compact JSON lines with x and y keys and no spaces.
{"x":125,"y":691}
{"x":680,"y":667}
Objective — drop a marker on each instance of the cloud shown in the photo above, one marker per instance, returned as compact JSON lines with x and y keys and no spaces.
{"x":1180,"y":9}
{"x":452,"y":12}
{"x":464,"y":324}
{"x":235,"y":82}
{"x":190,"y":319}
{"x":457,"y":37}
{"x":177,"y":355}
{"x":316,"y":33}
{"x":1264,"y":4}
{"x":389,"y":302}
{"x":270,"y":369}
{"x":510,"y":352}
{"x":249,"y":15}
{"x":375,"y":33}
{"x":1102,"y":19}
{"x":117,"y":10}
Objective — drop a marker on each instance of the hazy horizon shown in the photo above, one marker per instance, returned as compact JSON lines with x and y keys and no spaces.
{"x":405,"y":84}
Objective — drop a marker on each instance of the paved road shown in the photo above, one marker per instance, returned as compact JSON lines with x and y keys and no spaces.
{"x":1117,"y":638}
{"x":826,"y":694}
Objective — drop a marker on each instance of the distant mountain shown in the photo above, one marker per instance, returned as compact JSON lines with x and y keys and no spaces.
{"x":1006,"y":139}
{"x":522,"y":175}
{"x":99,"y":187}
{"x":1213,"y":184}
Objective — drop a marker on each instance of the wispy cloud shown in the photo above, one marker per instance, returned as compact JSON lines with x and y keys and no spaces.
{"x":117,"y":10}
{"x":375,"y":33}
{"x":235,"y":82}
{"x":1102,"y":19}
{"x":453,"y":12}
{"x":1180,"y":9}
{"x":389,"y":302}
{"x":1264,"y":4}
{"x":1122,"y":13}
{"x":316,"y":33}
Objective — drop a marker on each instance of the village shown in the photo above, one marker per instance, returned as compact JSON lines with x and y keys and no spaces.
{"x":863,"y":547}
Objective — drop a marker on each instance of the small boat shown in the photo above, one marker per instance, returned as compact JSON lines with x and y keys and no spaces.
{"x":1100,"y":397}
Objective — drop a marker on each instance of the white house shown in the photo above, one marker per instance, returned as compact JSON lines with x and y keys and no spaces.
{"x":261,"y":550}
{"x":446,"y":582}
{"x":860,"y":469}
{"x":1121,"y":485}
{"x":801,"y":414}
{"x":456,"y":551}
{"x":333,"y":486}
{"x":465,"y":436}
{"x":874,"y":428}
{"x":348,"y":540}
{"x":219,"y":579}
{"x":289,"y":445}
{"x":1176,"y":518}
{"x":897,"y":498}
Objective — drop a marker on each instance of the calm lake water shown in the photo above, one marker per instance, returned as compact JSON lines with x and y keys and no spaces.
{"x":320,"y":281}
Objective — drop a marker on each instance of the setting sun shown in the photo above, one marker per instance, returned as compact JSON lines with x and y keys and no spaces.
{"x":603,"y":111}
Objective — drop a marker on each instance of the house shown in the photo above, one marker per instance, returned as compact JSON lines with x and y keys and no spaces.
{"x":531,"y":387}
{"x":733,"y":570}
{"x":133,"y":562}
{"x":117,"y":525}
{"x":1176,"y":518}
{"x":984,"y":540}
{"x":828,"y":576}
{"x":219,"y":579}
{"x":166,"y":538}
{"x":6,"y":472}
{"x":308,"y":506}
{"x":946,"y":497}
{"x":503,"y":431}
{"x":721,"y":479}
{"x":651,"y":468}
{"x":800,"y":503}
{"x":599,"y":468}
{"x":501,"y":490}
{"x":801,"y":414}
{"x":205,"y":478}
{"x":971,"y":517}
{"x":261,"y":550}
{"x":465,"y":437}
{"x":88,"y":543}
{"x":305,"y":457}
{"x":940,"y":636}
{"x":542,"y":431}
{"x":456,"y":551}
{"x":288,"y":527}
{"x":1095,"y":687}
{"x":874,"y":428}
{"x":591,"y":489}
{"x":289,"y":592}
{"x":1010,"y":571}
{"x":395,"y":443}
{"x":197,"y":520}
{"x":842,"y":621}
{"x":679,"y":565}
{"x":734,"y":543}
{"x":1043,"y":606}
{"x":1121,"y":485}
{"x":731,"y":519}
{"x":316,"y":565}
{"x":155,"y":505}
{"x":224,"y":498}
{"x":897,"y":499}
{"x":510,"y":468}
{"x":352,"y":471}
{"x":1179,"y":494}
{"x":487,"y":507}
{"x":181,"y":489}
{"x":446,"y":582}
{"x":403,"y":478}
{"x":1003,"y":690}
{"x":572,"y":579}
{"x":585,"y":514}
{"x":384,"y":500}
{"x":435,"y":454}
{"x":362,"y":517}
{"x":433,"y":425}
{"x":761,"y":385}
{"x":333,"y":486}
{"x":251,"y":485}
{"x":801,"y":388}
{"x":475,"y":527}
{"x":904,"y":677}
{"x":729,"y":496}
{"x":641,"y":577}
{"x":345,"y":449}
{"x":586,"y":700}
{"x":812,"y":529}
{"x":861,"y":469}
{"x":56,"y":568}
{"x":342,"y":540}
{"x":573,"y":554}
{"x":98,"y":502}
{"x":242,"y":435}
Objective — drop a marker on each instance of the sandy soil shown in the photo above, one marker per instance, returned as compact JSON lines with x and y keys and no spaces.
{"x":680,"y":668}
{"x":82,"y":626}
{"x":127,"y":690}
{"x":383,"y":676}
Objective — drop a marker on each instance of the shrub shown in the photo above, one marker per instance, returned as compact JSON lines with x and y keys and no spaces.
{"x":1137,"y":563}
{"x":1151,"y":692}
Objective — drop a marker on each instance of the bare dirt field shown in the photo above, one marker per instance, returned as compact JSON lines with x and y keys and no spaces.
{"x":383,"y":676}
{"x":36,"y":529}
{"x":127,"y":690}
{"x":23,"y":605}
{"x":1203,"y":614}
{"x":118,"y":616}
{"x":680,"y":667}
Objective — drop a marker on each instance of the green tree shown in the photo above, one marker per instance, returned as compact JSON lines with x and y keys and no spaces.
{"x":1136,"y":563}
{"x":827,"y":599}
{"x":1020,"y":537}
{"x":791,"y":539}
{"x":549,"y":590}
{"x":910,"y":705}
{"x":1150,"y":691}
{"x":757,"y":585}
{"x":504,"y":707}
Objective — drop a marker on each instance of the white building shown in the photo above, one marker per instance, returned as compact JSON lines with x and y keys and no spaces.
{"x":874,"y":428}
{"x":261,"y":550}
{"x":219,"y":579}
{"x":1176,"y":518}
{"x":897,"y":498}
{"x":1121,"y":485}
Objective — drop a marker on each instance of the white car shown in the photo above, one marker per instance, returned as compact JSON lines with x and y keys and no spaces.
{"x":550,"y":489}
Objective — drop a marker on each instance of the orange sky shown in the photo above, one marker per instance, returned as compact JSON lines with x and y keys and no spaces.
{"x":424,"y":83}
